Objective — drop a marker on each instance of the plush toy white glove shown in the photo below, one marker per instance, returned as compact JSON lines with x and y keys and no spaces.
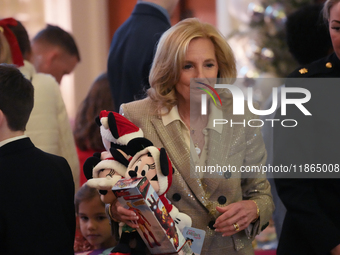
{"x":105,"y":183}
{"x":181,"y":219}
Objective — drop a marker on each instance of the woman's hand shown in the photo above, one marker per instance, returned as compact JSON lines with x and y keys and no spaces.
{"x":235,"y":217}
{"x":121,"y":214}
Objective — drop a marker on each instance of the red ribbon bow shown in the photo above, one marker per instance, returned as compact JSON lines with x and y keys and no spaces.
{"x":12,"y":40}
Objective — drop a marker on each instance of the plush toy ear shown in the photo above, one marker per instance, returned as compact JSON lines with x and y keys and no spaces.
{"x":88,"y":166}
{"x":97,"y":154}
{"x":164,"y":162}
{"x":119,"y":157}
{"x":97,"y":120}
{"x":112,"y":125}
{"x":119,"y":146}
{"x":137,"y":144}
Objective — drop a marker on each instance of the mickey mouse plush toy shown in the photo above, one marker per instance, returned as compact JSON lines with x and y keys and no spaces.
{"x":154,"y":163}
{"x":102,"y":174}
{"x":117,"y":131}
{"x":105,"y":169}
{"x":124,"y":142}
{"x":122,"y":139}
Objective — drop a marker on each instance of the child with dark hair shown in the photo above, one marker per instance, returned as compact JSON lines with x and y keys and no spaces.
{"x":96,"y":237}
{"x":36,"y":188}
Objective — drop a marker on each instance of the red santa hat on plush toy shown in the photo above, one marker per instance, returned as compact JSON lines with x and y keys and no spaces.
{"x":115,"y":128}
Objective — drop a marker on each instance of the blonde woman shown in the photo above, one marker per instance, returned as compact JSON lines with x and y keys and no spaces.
{"x":230,"y":208}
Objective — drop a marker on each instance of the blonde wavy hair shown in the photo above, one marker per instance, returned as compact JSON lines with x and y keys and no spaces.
{"x":170,"y":55}
{"x":5,"y":51}
{"x":327,"y":8}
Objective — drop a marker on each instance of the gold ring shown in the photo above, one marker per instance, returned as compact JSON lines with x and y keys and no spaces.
{"x":236,"y":226}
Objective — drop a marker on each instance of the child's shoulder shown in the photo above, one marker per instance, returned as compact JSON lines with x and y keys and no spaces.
{"x":107,"y":251}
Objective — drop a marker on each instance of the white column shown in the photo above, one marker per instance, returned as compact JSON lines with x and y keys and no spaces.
{"x":224,"y":21}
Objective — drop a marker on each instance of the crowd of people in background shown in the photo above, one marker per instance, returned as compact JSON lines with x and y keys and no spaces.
{"x":155,"y":78}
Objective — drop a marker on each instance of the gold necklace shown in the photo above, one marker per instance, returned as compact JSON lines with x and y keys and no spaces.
{"x":192,"y":132}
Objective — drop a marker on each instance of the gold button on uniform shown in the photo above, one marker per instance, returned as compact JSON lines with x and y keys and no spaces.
{"x":329,"y":65}
{"x":303,"y":70}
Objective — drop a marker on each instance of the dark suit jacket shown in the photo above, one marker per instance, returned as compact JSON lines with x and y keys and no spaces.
{"x":36,"y":201}
{"x":312,"y":222}
{"x":131,"y":53}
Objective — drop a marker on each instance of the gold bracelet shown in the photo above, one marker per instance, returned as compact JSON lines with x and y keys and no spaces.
{"x":110,"y":214}
{"x":257,"y":211}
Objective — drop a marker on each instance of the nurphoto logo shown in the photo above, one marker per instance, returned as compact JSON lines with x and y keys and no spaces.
{"x":204,"y":97}
{"x":239,"y":101}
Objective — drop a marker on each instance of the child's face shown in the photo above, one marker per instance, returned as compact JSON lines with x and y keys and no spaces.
{"x":94,"y":224}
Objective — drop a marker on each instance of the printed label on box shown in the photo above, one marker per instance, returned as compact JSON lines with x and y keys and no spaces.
{"x":195,"y":238}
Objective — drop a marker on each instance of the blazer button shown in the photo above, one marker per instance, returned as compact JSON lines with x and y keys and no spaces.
{"x":211,"y":224}
{"x":222,"y":200}
{"x":176,"y":197}
{"x":227,"y":174}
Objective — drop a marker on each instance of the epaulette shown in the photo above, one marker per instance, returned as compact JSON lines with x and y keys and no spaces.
{"x":319,"y":68}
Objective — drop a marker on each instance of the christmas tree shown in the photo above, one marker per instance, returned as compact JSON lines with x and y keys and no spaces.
{"x":268,"y":20}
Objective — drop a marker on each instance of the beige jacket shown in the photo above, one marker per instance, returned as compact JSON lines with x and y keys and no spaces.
{"x":48,"y":126}
{"x":237,"y":146}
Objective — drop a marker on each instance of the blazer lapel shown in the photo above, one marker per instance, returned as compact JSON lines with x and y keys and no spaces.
{"x":172,"y":139}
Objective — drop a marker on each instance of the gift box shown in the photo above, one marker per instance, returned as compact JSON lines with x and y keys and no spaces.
{"x":156,"y":227}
